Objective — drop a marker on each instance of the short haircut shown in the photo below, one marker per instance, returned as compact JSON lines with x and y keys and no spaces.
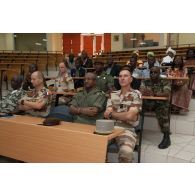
{"x":92,"y":74}
{"x":125,"y":67}
{"x":39,"y":74}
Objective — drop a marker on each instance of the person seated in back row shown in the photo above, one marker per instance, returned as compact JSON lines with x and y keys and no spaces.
{"x":156,"y":86}
{"x":86,"y":106}
{"x":27,"y":85}
{"x":113,"y":69}
{"x":8,"y":104}
{"x":105,"y":82}
{"x":78,"y":71}
{"x":36,"y":102}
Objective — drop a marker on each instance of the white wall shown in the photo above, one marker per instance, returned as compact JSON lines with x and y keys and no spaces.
{"x":6,"y":41}
{"x":54,"y":42}
{"x":117,"y":45}
{"x":186,"y":38}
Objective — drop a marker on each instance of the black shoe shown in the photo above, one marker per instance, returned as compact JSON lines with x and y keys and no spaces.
{"x":166,"y":142}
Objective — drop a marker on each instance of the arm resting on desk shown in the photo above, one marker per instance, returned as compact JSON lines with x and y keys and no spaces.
{"x":89,"y":111}
{"x":130,"y":115}
{"x":32,"y":105}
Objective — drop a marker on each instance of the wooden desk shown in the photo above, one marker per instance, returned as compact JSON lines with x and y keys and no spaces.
{"x":154,"y":98}
{"x":21,"y":138}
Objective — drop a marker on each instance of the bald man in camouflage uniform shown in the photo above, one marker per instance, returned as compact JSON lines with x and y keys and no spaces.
{"x":8,"y":104}
{"x":157,"y":86}
{"x":124,"y":106}
{"x":36,"y":102}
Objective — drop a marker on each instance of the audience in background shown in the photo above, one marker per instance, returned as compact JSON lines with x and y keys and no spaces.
{"x":64,"y":82}
{"x":151,"y":61}
{"x":71,"y":61}
{"x":113,"y":69}
{"x":135,"y":84}
{"x":104,"y":81}
{"x":168,"y":59}
{"x":36,"y":102}
{"x":27,"y":85}
{"x":87,"y":62}
{"x":190,"y":60}
{"x":78,"y":71}
{"x":181,"y":95}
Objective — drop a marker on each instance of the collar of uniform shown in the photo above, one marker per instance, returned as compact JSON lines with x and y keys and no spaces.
{"x":90,"y":92}
{"x":119,"y":93}
{"x":102,"y":75}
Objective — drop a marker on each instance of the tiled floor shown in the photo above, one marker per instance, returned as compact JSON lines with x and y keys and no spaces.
{"x":182,"y":148}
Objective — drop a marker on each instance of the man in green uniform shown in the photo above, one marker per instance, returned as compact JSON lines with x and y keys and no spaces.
{"x":124,"y":106}
{"x":157,"y":86}
{"x":8,"y":104}
{"x":105,"y":82}
{"x":88,"y":105}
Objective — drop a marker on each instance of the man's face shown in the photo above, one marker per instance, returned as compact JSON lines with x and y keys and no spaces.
{"x":62,"y":67}
{"x":110,"y":61}
{"x":35,"y":80}
{"x":133,"y":61}
{"x":98,"y":67}
{"x":89,"y":81}
{"x":77,"y":64}
{"x":190,"y":54}
{"x":71,"y":57}
{"x":84,"y":55}
{"x":154,"y":73}
{"x":125,"y":78}
{"x":16,"y":83}
{"x":170,"y":54}
{"x":151,"y":60}
{"x":178,"y":60}
{"x":32,"y":68}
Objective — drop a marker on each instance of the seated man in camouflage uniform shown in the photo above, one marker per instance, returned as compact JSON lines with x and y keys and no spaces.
{"x":157,"y":86}
{"x":88,"y":105}
{"x":8,"y":104}
{"x":104,"y":82}
{"x":124,"y":106}
{"x":36,"y":102}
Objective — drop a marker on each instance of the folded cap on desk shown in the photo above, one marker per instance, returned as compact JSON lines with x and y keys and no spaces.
{"x":51,"y":121}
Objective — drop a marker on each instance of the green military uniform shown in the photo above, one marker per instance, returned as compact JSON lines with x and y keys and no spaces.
{"x":104,"y":81}
{"x":127,"y":140}
{"x":9,"y":103}
{"x":160,"y":107}
{"x":95,"y":98}
{"x":36,"y":96}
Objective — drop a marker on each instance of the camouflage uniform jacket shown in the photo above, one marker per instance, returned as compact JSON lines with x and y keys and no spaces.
{"x":162,"y":86}
{"x":35,"y":96}
{"x":121,"y":103}
{"x":9,"y":103}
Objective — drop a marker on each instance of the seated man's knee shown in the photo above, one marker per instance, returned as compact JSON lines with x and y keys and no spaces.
{"x":125,"y":154}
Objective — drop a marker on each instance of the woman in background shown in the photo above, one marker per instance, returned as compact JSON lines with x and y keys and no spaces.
{"x":181,"y":95}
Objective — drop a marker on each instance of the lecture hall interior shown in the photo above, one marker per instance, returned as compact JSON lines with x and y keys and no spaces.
{"x":61,"y":97}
